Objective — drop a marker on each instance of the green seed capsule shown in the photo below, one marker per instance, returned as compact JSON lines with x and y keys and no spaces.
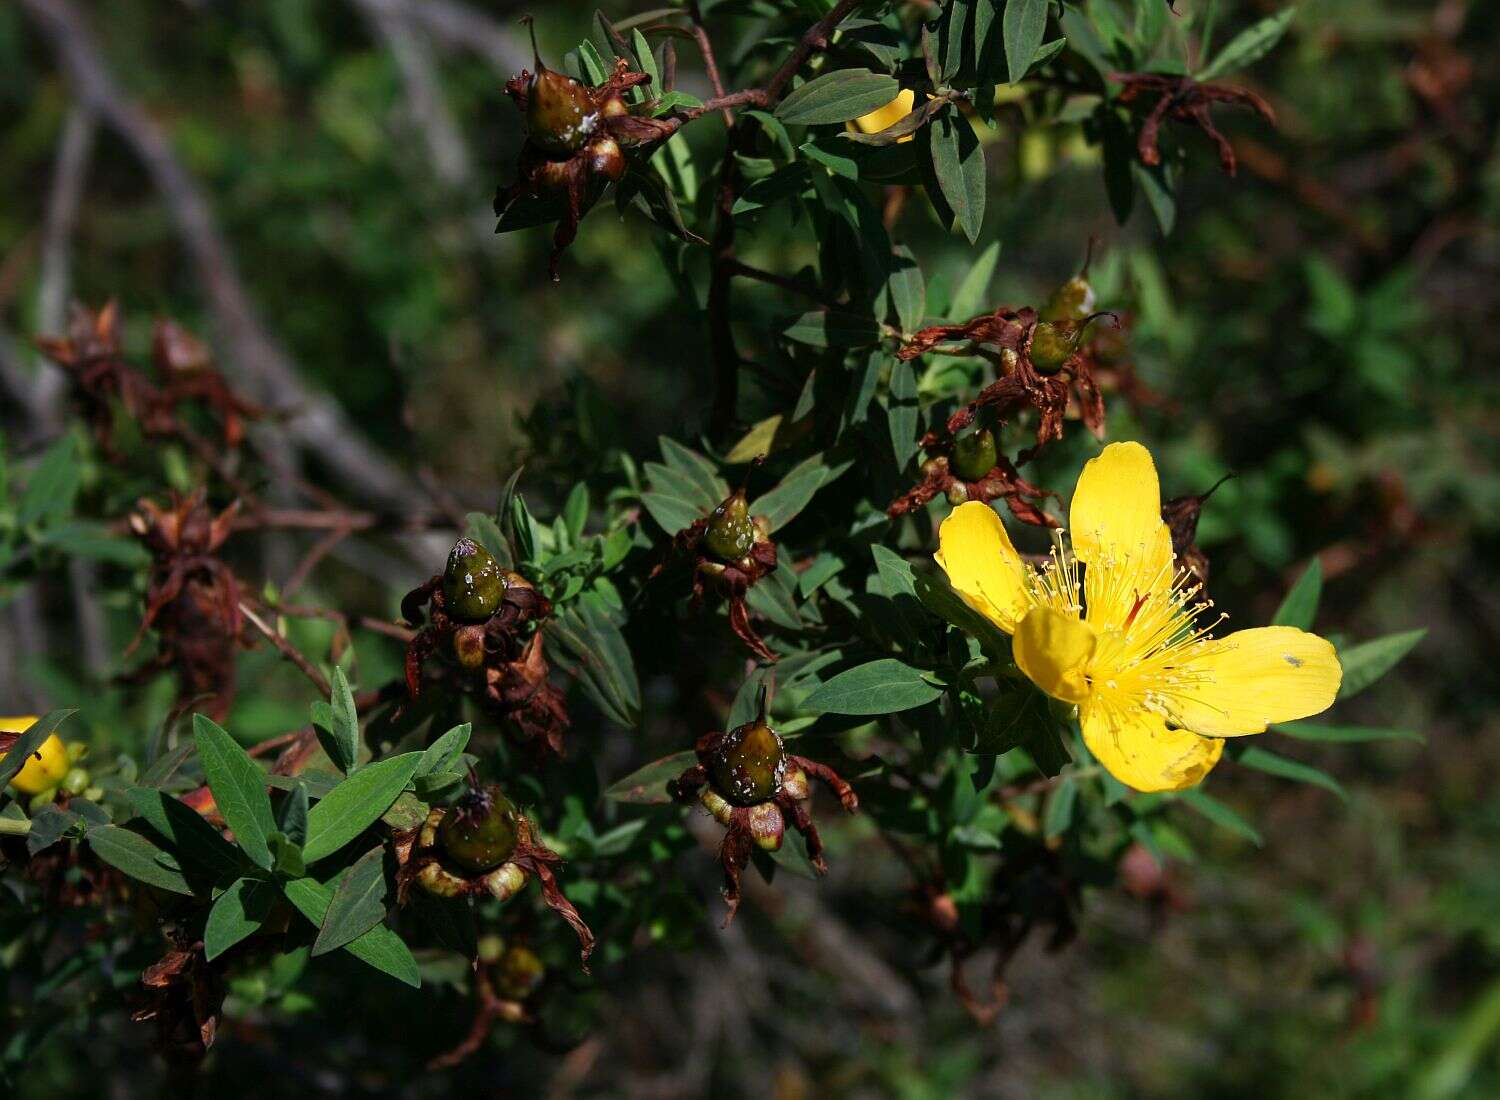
{"x":559,"y":113}
{"x":76,"y":781}
{"x":521,"y":971}
{"x":731,"y":531}
{"x":473,"y":584}
{"x":974,"y":454}
{"x":1073,"y":301}
{"x":748,"y":765}
{"x":481,"y":831}
{"x":1053,"y":344}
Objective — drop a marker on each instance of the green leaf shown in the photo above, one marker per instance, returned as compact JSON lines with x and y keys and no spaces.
{"x":287,"y":860}
{"x":1295,"y":770}
{"x":884,"y":686}
{"x":1220,"y":814}
{"x":833,"y":328}
{"x":95,"y":541}
{"x":647,"y":786}
{"x":343,"y":749}
{"x":54,"y":483}
{"x":358,"y":903}
{"x":137,"y":857}
{"x":1301,"y":604}
{"x":194,"y":840}
{"x":837,"y":97}
{"x":972,"y":295}
{"x":907,"y":289}
{"x":902,"y":413}
{"x":1060,"y":808}
{"x":673,"y":514}
{"x":291,"y":815}
{"x":1020,"y":716}
{"x":356,"y":803}
{"x":238,"y":912}
{"x":1367,"y":662}
{"x":782,"y":504}
{"x":379,"y":947}
{"x":31,"y":740}
{"x":1249,"y":46}
{"x":958,"y":164}
{"x":239,"y":789}
{"x":701,"y":472}
{"x":591,"y":648}
{"x":443,"y":753}
{"x":1024,"y":23}
{"x":938,"y":597}
{"x":1313,"y":731}
{"x":1156,"y":184}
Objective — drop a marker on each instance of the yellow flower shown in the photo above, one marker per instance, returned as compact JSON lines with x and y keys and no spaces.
{"x":1155,"y":693}
{"x":892,"y":113}
{"x":47,"y":765}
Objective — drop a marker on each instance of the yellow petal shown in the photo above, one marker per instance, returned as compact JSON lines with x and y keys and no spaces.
{"x":18,"y":724}
{"x":982,"y":565}
{"x":1137,"y":748}
{"x":892,"y":113}
{"x":44,"y":768}
{"x":1244,"y":682}
{"x":1054,"y":650}
{"x":1118,"y":533}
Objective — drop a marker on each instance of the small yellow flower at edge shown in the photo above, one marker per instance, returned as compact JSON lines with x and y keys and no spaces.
{"x":47,"y":765}
{"x":1156,"y":695}
{"x":892,"y":113}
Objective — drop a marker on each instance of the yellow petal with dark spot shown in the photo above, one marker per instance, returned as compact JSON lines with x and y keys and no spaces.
{"x":1242,"y":683}
{"x":1138,"y":749}
{"x":982,"y":564}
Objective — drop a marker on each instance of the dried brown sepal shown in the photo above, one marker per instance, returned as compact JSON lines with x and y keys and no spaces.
{"x":1181,"y":515}
{"x":1183,"y":99}
{"x":1003,"y":482}
{"x":508,"y":672}
{"x":192,"y":598}
{"x":94,"y":361}
{"x":491,"y":1008}
{"x":731,"y":579}
{"x":184,"y":997}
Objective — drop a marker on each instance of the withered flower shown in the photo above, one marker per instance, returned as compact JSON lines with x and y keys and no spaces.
{"x":1183,"y":99}
{"x":731,"y":550}
{"x":192,"y":598}
{"x":92,"y":357}
{"x":576,"y":141}
{"x":484,"y":844}
{"x":481,"y":620}
{"x":752,"y":786}
{"x":184,"y":996}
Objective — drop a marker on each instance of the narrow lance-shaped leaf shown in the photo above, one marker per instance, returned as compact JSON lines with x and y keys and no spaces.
{"x":379,"y":947}
{"x":837,"y":97}
{"x":137,"y":857}
{"x":239,"y":788}
{"x":1024,"y":23}
{"x":358,"y":903}
{"x":355,"y":804}
{"x":238,"y":912}
{"x":884,"y":686}
{"x":1301,"y":604}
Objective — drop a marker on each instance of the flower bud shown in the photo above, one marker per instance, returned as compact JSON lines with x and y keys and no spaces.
{"x":1073,"y":301}
{"x":974,"y":454}
{"x":957,"y":494}
{"x":481,"y":830}
{"x":520,"y":972}
{"x":468,"y":646}
{"x":472,"y":584}
{"x":76,"y":781}
{"x":605,"y":158}
{"x":731,"y":532}
{"x":748,"y":764}
{"x":767,"y":826}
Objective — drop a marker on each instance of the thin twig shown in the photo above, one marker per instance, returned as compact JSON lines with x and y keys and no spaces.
{"x":287,"y":650}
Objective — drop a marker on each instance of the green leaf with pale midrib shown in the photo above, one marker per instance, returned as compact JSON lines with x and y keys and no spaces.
{"x":355,"y":804}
